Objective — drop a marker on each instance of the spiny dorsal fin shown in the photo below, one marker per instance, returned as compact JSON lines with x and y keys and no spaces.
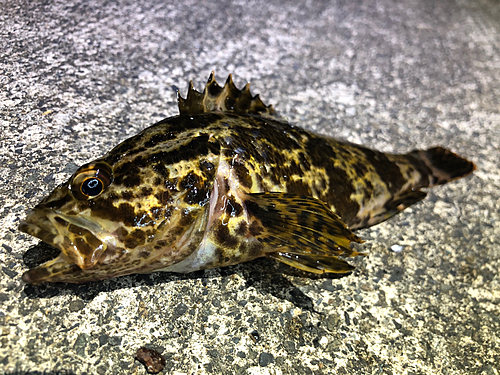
{"x":228,"y":98}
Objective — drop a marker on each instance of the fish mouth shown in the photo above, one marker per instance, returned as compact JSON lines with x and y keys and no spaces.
{"x":72,"y":235}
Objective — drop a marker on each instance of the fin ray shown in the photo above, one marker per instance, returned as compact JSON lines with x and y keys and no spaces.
{"x":304,"y":231}
{"x":395,"y":206}
{"x":313,"y":263}
{"x":442,"y":165}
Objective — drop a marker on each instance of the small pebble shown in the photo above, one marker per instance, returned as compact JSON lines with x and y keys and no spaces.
{"x":351,"y":112}
{"x":397,"y":248}
{"x":265,"y":359}
{"x":150,"y":358}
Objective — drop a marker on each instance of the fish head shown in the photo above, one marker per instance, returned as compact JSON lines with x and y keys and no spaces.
{"x":136,"y":210}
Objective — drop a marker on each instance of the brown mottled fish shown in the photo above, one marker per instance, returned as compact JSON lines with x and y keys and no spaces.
{"x":224,"y":182}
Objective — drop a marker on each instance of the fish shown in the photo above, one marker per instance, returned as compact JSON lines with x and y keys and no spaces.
{"x":224,"y":182}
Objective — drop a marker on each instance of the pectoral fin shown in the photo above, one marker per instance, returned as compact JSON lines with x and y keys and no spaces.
{"x":305,"y":233}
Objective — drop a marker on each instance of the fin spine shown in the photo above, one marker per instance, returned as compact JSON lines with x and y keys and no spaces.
{"x":227,"y":98}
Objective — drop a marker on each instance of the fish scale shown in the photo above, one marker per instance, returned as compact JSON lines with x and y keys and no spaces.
{"x":225,"y":182}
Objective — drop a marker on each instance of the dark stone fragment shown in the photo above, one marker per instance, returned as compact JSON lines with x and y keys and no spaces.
{"x":265,"y":359}
{"x":209,"y":367}
{"x":290,"y":347}
{"x":7,"y":247}
{"x":93,"y":347}
{"x":397,"y":274}
{"x":316,"y":343}
{"x":213,"y":353}
{"x":397,"y":325}
{"x":180,"y":309}
{"x":115,"y":340}
{"x":47,"y":179}
{"x":347,"y":318}
{"x":150,"y":358}
{"x":102,"y":369}
{"x":75,"y":306}
{"x":327,"y":284}
{"x":80,"y":344}
{"x":9,"y":272}
{"x":124,"y":365}
{"x":103,"y":339}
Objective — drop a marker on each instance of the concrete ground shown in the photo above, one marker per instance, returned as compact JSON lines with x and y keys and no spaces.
{"x":76,"y":78}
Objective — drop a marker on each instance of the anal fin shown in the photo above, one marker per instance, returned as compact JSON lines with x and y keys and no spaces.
{"x":395,"y":205}
{"x":305,"y":233}
{"x":313,"y":263}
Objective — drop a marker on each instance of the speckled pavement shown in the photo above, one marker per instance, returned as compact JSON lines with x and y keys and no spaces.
{"x":76,"y":78}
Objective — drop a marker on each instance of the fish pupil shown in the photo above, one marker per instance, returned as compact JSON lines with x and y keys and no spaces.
{"x":92,"y":187}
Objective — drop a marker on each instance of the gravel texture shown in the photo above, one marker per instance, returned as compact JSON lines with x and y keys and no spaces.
{"x":76,"y":78}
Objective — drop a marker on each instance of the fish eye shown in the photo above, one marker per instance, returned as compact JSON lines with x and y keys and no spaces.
{"x":91,"y":180}
{"x":92,"y":187}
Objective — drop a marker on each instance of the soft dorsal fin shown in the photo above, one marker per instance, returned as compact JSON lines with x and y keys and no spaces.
{"x":228,"y":98}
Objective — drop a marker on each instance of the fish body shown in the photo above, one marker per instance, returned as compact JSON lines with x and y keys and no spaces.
{"x":225,"y":182}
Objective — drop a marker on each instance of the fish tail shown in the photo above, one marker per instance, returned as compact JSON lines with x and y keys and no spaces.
{"x":442,"y":165}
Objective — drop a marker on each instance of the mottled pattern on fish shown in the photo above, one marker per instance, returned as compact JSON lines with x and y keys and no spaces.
{"x":225,"y":182}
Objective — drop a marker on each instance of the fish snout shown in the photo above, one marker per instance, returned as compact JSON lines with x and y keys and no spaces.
{"x":71,"y":235}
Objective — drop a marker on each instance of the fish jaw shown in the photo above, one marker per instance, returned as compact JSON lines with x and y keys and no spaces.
{"x":58,"y":221}
{"x":55,"y":270}
{"x":73,"y":236}
{"x":76,"y":241}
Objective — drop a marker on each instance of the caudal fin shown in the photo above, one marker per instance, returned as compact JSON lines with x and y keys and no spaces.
{"x":443,"y":165}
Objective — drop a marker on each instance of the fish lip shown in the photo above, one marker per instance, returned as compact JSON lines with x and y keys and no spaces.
{"x":40,"y":223}
{"x":76,"y":255}
{"x":45,"y":273}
